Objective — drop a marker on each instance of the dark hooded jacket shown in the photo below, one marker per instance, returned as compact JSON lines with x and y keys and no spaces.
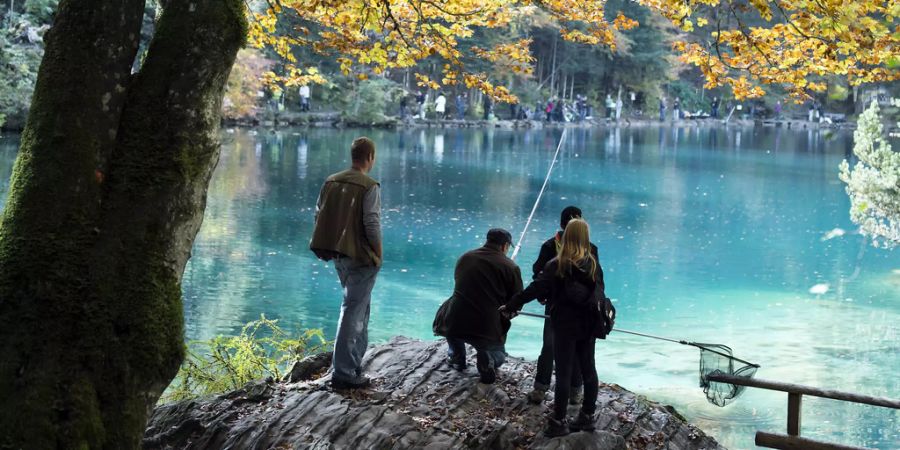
{"x":569,"y":298}
{"x":485,"y":279}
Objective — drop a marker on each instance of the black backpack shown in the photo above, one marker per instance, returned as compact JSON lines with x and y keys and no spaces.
{"x":599,"y":305}
{"x":604,"y":313}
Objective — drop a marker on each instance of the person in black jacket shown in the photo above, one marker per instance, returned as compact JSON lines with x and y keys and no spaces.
{"x":549,"y":250}
{"x":485,"y":279}
{"x":572,"y":282}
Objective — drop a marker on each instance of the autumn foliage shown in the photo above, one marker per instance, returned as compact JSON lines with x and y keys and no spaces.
{"x":793,"y":43}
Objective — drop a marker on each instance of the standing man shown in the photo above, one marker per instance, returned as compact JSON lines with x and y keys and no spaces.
{"x":304,"y":98}
{"x":549,"y":250}
{"x":420,"y":104}
{"x":619,"y":107}
{"x":662,"y":109}
{"x":488,"y":105}
{"x":348,"y":231}
{"x":485,"y":279}
{"x":440,"y":105}
{"x":715,"y":108}
{"x":460,"y":106}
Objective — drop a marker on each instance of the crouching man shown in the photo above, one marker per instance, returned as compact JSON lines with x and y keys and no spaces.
{"x":485,"y":279}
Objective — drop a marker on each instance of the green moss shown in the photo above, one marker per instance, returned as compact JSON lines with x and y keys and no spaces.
{"x":238,"y":10}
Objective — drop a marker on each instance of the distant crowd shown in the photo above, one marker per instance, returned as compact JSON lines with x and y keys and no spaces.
{"x":420,"y":106}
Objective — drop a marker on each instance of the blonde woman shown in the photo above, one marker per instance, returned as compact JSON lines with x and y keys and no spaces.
{"x":572,"y":283}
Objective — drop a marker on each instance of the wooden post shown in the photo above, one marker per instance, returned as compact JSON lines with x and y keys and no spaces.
{"x":793,"y":416}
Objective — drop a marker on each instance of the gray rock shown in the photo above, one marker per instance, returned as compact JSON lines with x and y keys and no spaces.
{"x":416,"y":401}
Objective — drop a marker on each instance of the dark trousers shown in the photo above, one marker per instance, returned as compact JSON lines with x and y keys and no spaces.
{"x":494,"y":355}
{"x":545,"y":364}
{"x":567,"y":351}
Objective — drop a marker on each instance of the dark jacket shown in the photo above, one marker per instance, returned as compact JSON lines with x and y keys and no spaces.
{"x":485,"y":280}
{"x":549,"y":250}
{"x":569,"y":298}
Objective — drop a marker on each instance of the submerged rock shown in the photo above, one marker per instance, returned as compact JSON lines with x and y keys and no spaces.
{"x":416,"y":401}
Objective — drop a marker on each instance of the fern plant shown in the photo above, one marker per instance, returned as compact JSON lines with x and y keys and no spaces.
{"x":261,"y":350}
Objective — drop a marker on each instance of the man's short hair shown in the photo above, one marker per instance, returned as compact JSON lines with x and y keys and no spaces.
{"x":568,"y":213}
{"x":499,"y":236}
{"x":362,"y":149}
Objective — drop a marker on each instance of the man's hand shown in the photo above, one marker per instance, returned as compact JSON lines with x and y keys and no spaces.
{"x":507,"y":312}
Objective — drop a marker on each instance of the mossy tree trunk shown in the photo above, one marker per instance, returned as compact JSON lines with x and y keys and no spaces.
{"x":107,"y":195}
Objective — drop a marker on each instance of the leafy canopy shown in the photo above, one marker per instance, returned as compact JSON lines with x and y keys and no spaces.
{"x":751,"y":43}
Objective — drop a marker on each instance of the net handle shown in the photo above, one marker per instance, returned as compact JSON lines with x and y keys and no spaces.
{"x":693,"y":344}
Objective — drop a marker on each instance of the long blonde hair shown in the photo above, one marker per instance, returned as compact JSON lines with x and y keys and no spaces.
{"x":576,"y":246}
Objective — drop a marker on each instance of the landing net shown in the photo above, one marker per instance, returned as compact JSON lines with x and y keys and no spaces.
{"x":717,"y":359}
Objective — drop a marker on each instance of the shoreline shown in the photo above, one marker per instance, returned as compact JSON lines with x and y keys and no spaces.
{"x":334,"y":120}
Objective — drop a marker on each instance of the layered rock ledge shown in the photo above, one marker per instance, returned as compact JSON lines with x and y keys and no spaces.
{"x":416,"y":401}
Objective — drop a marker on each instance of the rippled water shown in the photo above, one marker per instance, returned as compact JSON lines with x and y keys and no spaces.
{"x":708,"y":235}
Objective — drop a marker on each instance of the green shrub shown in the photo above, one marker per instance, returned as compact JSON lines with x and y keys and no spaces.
{"x":223,"y":364}
{"x":373,"y":99}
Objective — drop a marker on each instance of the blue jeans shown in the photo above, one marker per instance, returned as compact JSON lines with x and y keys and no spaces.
{"x":456,"y":351}
{"x":357,"y":279}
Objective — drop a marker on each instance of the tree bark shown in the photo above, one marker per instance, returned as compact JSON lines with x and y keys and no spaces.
{"x":106,"y":198}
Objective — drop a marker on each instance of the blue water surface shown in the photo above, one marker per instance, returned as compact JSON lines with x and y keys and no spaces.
{"x":705,"y":234}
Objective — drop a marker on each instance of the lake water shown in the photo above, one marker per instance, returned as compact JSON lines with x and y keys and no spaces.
{"x":708,"y":235}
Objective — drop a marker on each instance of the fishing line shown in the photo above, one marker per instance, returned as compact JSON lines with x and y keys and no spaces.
{"x":540,"y":194}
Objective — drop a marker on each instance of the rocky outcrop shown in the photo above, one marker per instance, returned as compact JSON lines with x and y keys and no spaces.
{"x":416,"y":401}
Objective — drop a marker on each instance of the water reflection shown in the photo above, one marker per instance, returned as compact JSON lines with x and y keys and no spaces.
{"x":705,"y":234}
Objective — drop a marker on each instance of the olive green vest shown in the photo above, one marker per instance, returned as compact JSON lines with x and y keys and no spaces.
{"x":339,"y":229}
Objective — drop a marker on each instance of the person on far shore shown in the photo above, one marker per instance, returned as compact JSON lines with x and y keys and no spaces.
{"x":573,"y":283}
{"x":420,"y":104}
{"x":715,"y":108}
{"x":676,"y":109}
{"x":403,"y":100}
{"x":350,"y":236}
{"x":619,"y":108}
{"x":548,"y":110}
{"x":549,"y":250}
{"x":558,"y":109}
{"x":304,"y":98}
{"x":610,"y":107}
{"x":461,"y":106}
{"x":485,"y":279}
{"x":662,"y":109}
{"x":440,"y":105}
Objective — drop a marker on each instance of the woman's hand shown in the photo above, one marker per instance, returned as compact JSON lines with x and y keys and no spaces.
{"x":506,"y":312}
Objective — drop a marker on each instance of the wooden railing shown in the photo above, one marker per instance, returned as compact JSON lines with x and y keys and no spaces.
{"x":792,"y":439}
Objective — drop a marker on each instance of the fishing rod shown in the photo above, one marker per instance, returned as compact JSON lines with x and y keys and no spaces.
{"x":682,"y":342}
{"x":540,"y":194}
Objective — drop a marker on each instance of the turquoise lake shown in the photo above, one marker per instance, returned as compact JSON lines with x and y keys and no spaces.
{"x":707,"y":235}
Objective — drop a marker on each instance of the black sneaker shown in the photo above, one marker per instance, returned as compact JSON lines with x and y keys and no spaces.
{"x":359,"y":383}
{"x":583,"y":422}
{"x":537,"y":396}
{"x":485,"y":368}
{"x":556,"y":428}
{"x":456,"y":364}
